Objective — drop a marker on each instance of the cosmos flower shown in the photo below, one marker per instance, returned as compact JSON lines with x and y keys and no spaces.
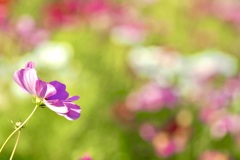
{"x":50,"y":94}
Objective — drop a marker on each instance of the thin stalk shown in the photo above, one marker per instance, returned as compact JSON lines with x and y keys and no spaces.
{"x":18,"y":128}
{"x":15,"y":146}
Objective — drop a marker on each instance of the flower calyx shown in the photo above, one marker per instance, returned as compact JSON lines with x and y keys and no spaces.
{"x":16,"y":125}
{"x":39,"y":102}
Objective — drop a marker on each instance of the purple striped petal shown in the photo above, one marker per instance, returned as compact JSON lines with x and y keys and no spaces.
{"x":44,"y":89}
{"x":30,"y":78}
{"x":61,"y":93}
{"x":26,"y":78}
{"x":73,"y":113}
{"x":18,"y":77}
{"x":51,"y":90}
{"x":41,"y":88}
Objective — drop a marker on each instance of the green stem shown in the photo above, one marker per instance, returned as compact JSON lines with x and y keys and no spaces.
{"x":15,"y":146}
{"x":18,"y":128}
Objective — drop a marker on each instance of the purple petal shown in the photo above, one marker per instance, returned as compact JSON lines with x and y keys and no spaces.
{"x":56,"y":106}
{"x":61,"y":91}
{"x":72,"y":115}
{"x":72,"y":106}
{"x":26,"y":78}
{"x":18,"y":77}
{"x":73,"y":98}
{"x":74,"y":111}
{"x":41,"y":88}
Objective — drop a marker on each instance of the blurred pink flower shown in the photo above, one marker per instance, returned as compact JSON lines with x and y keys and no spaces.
{"x":152,"y":97}
{"x":221,"y":126}
{"x":86,"y":157}
{"x":207,"y":113}
{"x":225,"y":124}
{"x":171,"y":139}
{"x":123,"y":113}
{"x":163,"y":145}
{"x":28,"y":33}
{"x":147,"y":131}
{"x":232,"y":86}
{"x":226,"y":10}
{"x":214,"y":155}
{"x":50,"y":94}
{"x":129,"y":33}
{"x":214,"y":98}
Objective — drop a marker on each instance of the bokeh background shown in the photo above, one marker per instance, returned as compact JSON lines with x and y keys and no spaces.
{"x":158,"y":79}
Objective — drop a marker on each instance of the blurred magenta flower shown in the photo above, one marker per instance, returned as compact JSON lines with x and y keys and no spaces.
{"x":3,"y":12}
{"x":163,"y":145}
{"x":50,"y":94}
{"x":72,"y":11}
{"x":169,"y":139}
{"x":86,"y":157}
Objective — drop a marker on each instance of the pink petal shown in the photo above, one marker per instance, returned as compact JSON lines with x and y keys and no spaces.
{"x":30,"y":65}
{"x":29,"y":79}
{"x":26,"y":78}
{"x":18,"y":77}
